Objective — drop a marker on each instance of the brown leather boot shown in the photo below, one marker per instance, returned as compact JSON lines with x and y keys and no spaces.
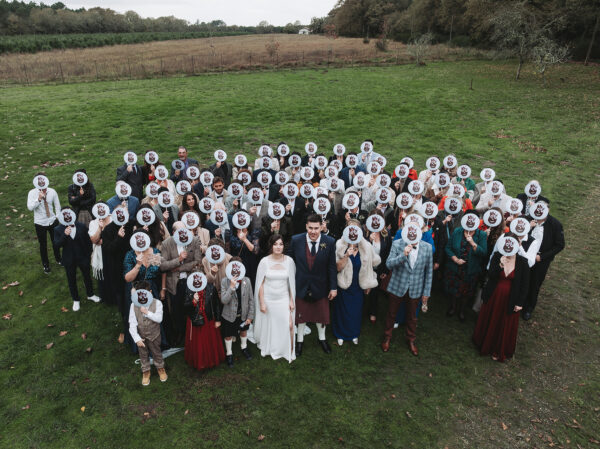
{"x":385,"y":345}
{"x":162,"y":374}
{"x":413,"y":348}
{"x":146,"y":378}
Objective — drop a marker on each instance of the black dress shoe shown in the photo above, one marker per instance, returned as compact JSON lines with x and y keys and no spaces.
{"x":247,"y":354}
{"x":299,"y":346}
{"x":229,"y":359}
{"x":450,"y":311}
{"x":526,"y":316}
{"x":325,"y":346}
{"x":58,"y":261}
{"x":47,"y":269}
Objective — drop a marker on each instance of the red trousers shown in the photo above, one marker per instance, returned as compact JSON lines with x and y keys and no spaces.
{"x":411,"y":315}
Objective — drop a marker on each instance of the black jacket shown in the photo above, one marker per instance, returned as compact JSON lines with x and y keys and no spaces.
{"x":212,"y":304}
{"x":519,"y":286}
{"x":225,"y":171}
{"x":82,"y":202}
{"x":553,"y":241}
{"x":134,"y":178}
{"x":74,"y":251}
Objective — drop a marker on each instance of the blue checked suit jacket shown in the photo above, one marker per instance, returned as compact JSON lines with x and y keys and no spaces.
{"x":417,"y":280}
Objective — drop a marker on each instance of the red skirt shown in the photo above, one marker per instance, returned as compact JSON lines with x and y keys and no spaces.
{"x":203,"y":345}
{"x":312,"y":312}
{"x":496,"y":329}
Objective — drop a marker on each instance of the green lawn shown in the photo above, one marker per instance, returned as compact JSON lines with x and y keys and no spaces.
{"x":548,"y":395}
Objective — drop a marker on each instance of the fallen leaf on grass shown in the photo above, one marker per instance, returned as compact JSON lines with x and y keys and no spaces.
{"x":50,"y":325}
{"x":261,"y":437}
{"x":592,"y":440}
{"x":63,"y":333}
{"x":7,"y":316}
{"x":21,"y":293}
{"x":504,"y":426}
{"x":12,"y":284}
{"x":409,"y":415}
{"x":49,"y":345}
{"x":25,"y":408}
{"x":64,"y":309}
{"x":393,"y":396}
{"x":83,"y":336}
{"x":186,"y":412}
{"x":44,"y":301}
{"x":83,"y":409}
{"x":88,"y":350}
{"x":146,"y":414}
{"x":340,"y":439}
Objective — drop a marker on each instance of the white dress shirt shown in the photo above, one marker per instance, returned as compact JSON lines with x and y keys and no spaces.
{"x":73,"y":232}
{"x":309,"y":241}
{"x":39,"y":211}
{"x":133,"y":324}
{"x":412,"y":256}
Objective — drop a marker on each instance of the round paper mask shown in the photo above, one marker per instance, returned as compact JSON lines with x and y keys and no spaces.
{"x":373,"y":168}
{"x":339,"y":149}
{"x":265,"y":151}
{"x":197,"y":281}
{"x":190,"y":220}
{"x":307,"y":191}
{"x":192,"y":172}
{"x":334,"y":184}
{"x":40,"y":182}
{"x":220,"y":156}
{"x":375,"y":223}
{"x":240,"y":160}
{"x":80,"y":179}
{"x":321,"y":206}
{"x":496,"y":188}
{"x":294,"y":160}
{"x":151,"y":157}
{"x":352,"y":235}
{"x":408,"y":161}
{"x":256,"y":196}
{"x":415,"y":219}
{"x":336,"y":164}
{"x":456,"y":190}
{"x":411,"y":233}
{"x":123,"y":190}
{"x":120,"y":216}
{"x":152,"y":190}
{"x":276,"y":211}
{"x":352,"y":160}
{"x":360,"y":181}
{"x":464,"y":171}
{"x":241,"y":220}
{"x":492,"y":218}
{"x":469,"y":222}
{"x":177,"y":164}
{"x":207,"y":178}
{"x":142,"y":297}
{"x":183,"y":187}
{"x":520,"y":226}
{"x":218,"y":217}
{"x":401,"y":171}
{"x":67,"y":217}
{"x":130,"y":158}
{"x":442,"y":180}
{"x":235,"y":270}
{"x":165,"y":199}
{"x":513,"y":206}
{"x":145,"y":216}
{"x":161,"y":173}
{"x":383,"y":180}
{"x":404,"y":200}
{"x":508,"y":246}
{"x":533,"y":189}
{"x":215,"y":254}
{"x":310,"y":148}
{"x":331,"y":172}
{"x":429,"y":210}
{"x":433,"y":163}
{"x":307,"y":173}
{"x":206,"y":205}
{"x":139,"y":241}
{"x":236,"y":190}
{"x":100,"y":211}
{"x":487,"y":174}
{"x":281,"y":178}
{"x":416,"y":187}
{"x":183,"y":236}
{"x":539,"y":210}
{"x":265,"y":163}
{"x":245,"y":178}
{"x":452,"y":205}
{"x":283,"y":150}
{"x":384,"y":195}
{"x":450,"y":161}
{"x":321,"y":162}
{"x":265,"y":179}
{"x":350,"y":201}
{"x":290,"y":191}
{"x":366,"y":147}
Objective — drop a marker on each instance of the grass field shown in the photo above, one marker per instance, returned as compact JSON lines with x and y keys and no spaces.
{"x":547,"y":396}
{"x":194,"y":56}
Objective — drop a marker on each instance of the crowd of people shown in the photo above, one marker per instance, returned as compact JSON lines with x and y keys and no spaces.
{"x":237,"y":250}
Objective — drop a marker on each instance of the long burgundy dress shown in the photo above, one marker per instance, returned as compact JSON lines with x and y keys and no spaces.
{"x":496,"y":329}
{"x":203,"y":344}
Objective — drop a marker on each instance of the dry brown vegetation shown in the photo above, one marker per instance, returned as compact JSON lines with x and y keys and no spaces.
{"x":192,"y":56}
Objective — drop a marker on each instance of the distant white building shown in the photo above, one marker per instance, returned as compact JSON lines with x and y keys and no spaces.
{"x":303,"y":31}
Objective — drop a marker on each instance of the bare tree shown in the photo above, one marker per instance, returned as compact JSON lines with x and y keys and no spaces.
{"x":420,"y":47}
{"x":546,"y":54}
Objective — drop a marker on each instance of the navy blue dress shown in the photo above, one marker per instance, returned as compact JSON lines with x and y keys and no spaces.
{"x":347,"y":307}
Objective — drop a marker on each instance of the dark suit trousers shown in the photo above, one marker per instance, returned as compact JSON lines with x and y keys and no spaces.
{"x":411,"y":315}
{"x":41,"y":231}
{"x":536,"y":278}
{"x":71,"y":270}
{"x":178,"y":317}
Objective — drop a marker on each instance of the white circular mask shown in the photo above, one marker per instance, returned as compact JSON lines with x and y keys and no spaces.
{"x":433,"y":163}
{"x":240,"y":160}
{"x":401,"y":171}
{"x":352,"y":160}
{"x":206,"y":205}
{"x":508,"y":246}
{"x":151,"y":157}
{"x":183,"y":187}
{"x":307,"y":191}
{"x":241,"y":220}
{"x":360,"y":181}
{"x":375,"y":223}
{"x":161,"y":173}
{"x":192,"y":172}
{"x":350,"y":201}
{"x":235,"y":190}
{"x":120,"y":216}
{"x":215,"y":254}
{"x":165,"y":199}
{"x":384,"y":195}
{"x":265,"y":179}
{"x":178,"y":164}
{"x":67,"y":217}
{"x":40,"y":182}
{"x":310,"y":148}
{"x":295,"y":160}
{"x":412,"y":234}
{"x":130,"y":158}
{"x":145,"y":216}
{"x":539,"y":210}
{"x":383,"y":180}
{"x":80,"y":179}
{"x":235,"y":270}
{"x":442,"y":180}
{"x":408,"y":161}
{"x":245,"y":178}
{"x":339,"y":149}
{"x":416,"y":187}
{"x":404,"y":200}
{"x":190,"y":220}
{"x":290,"y":191}
{"x":218,"y":217}
{"x":464,"y":171}
{"x":321,"y":206}
{"x":207,"y":178}
{"x":142,"y":297}
{"x":469,"y":222}
{"x":220,"y":156}
{"x":256,"y":196}
{"x":321,"y":162}
{"x":513,"y":206}
{"x":520,"y":226}
{"x":282,"y":178}
{"x":152,"y":190}
{"x":429,"y":210}
{"x":352,"y":235}
{"x":492,"y":218}
{"x":123,"y":190}
{"x":101,"y":211}
{"x":183,"y":236}
{"x":373,"y":168}
{"x":533,"y":189}
{"x":450,"y":161}
{"x":487,"y":174}
{"x":139,"y":241}
{"x":453,"y":205}
{"x":366,"y":147}
{"x":276,"y":211}
{"x":283,"y":150}
{"x":196,"y":281}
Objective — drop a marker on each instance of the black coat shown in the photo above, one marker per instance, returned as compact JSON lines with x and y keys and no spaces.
{"x":134,"y":178}
{"x":519,"y":286}
{"x":77,"y":251}
{"x":212,"y":304}
{"x":553,"y":241}
{"x":225,"y":171}
{"x":82,"y":202}
{"x":298,"y":218}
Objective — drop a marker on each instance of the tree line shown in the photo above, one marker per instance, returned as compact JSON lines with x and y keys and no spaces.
{"x":572,"y":23}
{"x":19,"y":18}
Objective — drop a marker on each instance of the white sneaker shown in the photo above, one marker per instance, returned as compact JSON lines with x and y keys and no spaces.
{"x":395,"y":325}
{"x":340,"y":342}
{"x":76,"y":306}
{"x":355,"y":341}
{"x":94,"y":298}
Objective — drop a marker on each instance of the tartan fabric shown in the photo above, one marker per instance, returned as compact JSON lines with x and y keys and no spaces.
{"x":416,"y":281}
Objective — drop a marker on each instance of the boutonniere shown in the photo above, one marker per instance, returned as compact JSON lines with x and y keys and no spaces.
{"x":323,"y":245}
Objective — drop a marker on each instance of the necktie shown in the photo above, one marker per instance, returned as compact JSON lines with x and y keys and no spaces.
{"x":47,"y":208}
{"x":313,"y":250}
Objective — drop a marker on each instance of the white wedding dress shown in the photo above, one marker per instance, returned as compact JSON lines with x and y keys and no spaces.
{"x":272,"y":329}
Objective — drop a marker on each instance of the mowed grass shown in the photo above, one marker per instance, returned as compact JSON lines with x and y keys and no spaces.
{"x":358,"y":396}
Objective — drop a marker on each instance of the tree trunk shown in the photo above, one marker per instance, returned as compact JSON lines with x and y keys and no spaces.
{"x":589,"y":50}
{"x":519,"y":68}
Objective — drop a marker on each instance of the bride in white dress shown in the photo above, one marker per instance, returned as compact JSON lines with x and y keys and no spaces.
{"x":275,"y":293}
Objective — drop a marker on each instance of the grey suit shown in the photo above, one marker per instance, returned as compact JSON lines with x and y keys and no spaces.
{"x":417,"y":280}
{"x":230,"y":300}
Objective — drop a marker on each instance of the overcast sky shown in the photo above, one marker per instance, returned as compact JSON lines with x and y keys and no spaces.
{"x":233,"y":12}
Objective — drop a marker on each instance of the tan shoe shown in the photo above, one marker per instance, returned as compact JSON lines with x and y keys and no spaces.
{"x":146,"y":378}
{"x":121,"y":338}
{"x":162,"y":374}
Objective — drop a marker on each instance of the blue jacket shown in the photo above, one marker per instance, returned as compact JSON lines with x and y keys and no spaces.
{"x":323,"y":276}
